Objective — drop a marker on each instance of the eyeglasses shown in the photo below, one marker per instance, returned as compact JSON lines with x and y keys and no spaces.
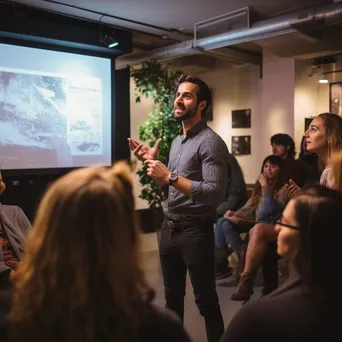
{"x":286,"y":225}
{"x":277,"y":220}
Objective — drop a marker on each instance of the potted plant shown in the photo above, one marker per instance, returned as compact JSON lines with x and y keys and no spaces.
{"x":158,"y":82}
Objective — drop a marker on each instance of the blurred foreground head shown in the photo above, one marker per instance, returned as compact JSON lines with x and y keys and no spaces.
{"x":80,"y":277}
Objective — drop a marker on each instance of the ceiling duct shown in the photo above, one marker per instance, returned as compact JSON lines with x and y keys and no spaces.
{"x":328,"y":14}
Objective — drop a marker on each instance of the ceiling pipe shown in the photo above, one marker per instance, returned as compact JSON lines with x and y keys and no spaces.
{"x":330,"y":14}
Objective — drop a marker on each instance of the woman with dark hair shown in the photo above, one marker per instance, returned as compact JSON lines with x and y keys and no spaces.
{"x":81,"y":279}
{"x":306,"y":307}
{"x":268,"y":200}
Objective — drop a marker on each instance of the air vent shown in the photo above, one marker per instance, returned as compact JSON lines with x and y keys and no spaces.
{"x":228,"y":22}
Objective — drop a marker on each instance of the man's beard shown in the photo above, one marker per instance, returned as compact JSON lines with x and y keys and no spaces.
{"x":188,"y":114}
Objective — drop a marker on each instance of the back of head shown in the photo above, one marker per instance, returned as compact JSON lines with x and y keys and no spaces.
{"x":204,"y":93}
{"x":318,"y":216}
{"x":81,"y":268}
{"x":333,"y":127}
{"x":285,"y":140}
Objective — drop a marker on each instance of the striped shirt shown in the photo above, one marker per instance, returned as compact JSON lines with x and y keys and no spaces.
{"x":202,"y":157}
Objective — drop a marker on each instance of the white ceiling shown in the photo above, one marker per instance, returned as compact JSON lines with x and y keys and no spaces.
{"x":161,"y":16}
{"x":165,"y":22}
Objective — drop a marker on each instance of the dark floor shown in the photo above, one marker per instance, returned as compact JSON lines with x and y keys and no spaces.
{"x":193,"y":322}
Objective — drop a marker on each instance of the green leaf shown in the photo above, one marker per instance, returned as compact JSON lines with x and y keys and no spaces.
{"x":158,"y":82}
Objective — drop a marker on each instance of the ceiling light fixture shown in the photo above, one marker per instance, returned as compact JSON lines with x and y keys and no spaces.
{"x":323,"y":79}
{"x":107,"y":38}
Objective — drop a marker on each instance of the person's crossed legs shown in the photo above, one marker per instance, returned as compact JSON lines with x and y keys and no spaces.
{"x":259,"y":236}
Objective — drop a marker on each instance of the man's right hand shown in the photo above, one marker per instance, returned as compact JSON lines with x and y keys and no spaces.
{"x":144,"y":152}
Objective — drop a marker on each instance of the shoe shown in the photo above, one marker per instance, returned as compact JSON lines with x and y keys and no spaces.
{"x":244,"y":289}
{"x":224,"y":274}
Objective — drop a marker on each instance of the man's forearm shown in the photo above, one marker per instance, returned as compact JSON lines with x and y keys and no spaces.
{"x":183,"y":185}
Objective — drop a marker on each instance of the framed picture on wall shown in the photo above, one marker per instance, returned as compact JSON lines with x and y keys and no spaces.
{"x":241,"y":145}
{"x":241,"y":118}
{"x":335,"y":98}
{"x":307,"y":123}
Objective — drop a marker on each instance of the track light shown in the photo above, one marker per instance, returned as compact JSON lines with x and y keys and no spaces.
{"x":323,"y":79}
{"x":108,"y":39}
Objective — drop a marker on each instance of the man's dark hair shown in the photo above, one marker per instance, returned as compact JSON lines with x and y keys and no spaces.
{"x":204,"y":93}
{"x":285,"y":140}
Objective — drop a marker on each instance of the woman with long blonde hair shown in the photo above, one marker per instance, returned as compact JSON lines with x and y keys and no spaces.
{"x":336,"y":170}
{"x":323,"y":137}
{"x":80,"y":279}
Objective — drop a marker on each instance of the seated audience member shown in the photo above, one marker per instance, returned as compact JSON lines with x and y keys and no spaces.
{"x":268,"y":200}
{"x":13,"y":228}
{"x":336,"y":170}
{"x":296,"y":169}
{"x":311,"y":162}
{"x":80,"y":279}
{"x":236,"y":196}
{"x":306,"y":307}
{"x":323,"y":137}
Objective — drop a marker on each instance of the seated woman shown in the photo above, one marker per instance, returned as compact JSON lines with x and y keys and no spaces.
{"x":80,"y":279}
{"x":306,"y":307}
{"x":268,"y":200}
{"x":14,"y":226}
{"x":236,"y":196}
{"x":322,"y":138}
{"x":336,"y":170}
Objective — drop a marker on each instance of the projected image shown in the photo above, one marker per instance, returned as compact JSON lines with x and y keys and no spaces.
{"x":46,"y":120}
{"x":84,"y":117}
{"x":55,"y":109}
{"x":33,"y":117}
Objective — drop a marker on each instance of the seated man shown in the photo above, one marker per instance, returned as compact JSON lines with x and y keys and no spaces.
{"x":296,"y":169}
{"x":13,"y":228}
{"x":236,"y":196}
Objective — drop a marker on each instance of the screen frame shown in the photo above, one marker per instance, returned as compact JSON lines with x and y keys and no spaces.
{"x":60,"y":48}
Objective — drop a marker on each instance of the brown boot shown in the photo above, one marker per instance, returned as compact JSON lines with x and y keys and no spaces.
{"x":244,"y":289}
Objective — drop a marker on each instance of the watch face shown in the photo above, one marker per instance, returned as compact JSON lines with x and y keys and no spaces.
{"x":173,"y":176}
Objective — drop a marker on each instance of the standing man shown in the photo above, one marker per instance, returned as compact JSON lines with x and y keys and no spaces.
{"x":196,"y":178}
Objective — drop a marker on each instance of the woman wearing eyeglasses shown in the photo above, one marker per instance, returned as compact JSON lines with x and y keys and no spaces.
{"x":306,"y":307}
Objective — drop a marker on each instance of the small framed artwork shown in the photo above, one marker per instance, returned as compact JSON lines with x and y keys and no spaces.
{"x":241,"y":118}
{"x":241,"y":145}
{"x":307,"y":123}
{"x":335,"y":98}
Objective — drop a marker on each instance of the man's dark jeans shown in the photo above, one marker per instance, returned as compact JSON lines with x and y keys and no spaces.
{"x":192,"y":249}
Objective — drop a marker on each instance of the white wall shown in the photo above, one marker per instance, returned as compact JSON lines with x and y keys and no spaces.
{"x":278,"y":89}
{"x":311,"y":97}
{"x":238,"y":88}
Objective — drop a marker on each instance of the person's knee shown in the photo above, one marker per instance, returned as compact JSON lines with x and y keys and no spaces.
{"x":264,"y":232}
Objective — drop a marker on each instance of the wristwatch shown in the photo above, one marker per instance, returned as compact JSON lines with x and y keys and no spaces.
{"x":172,"y":178}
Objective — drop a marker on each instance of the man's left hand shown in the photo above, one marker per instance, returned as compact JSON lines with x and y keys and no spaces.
{"x":158,"y":171}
